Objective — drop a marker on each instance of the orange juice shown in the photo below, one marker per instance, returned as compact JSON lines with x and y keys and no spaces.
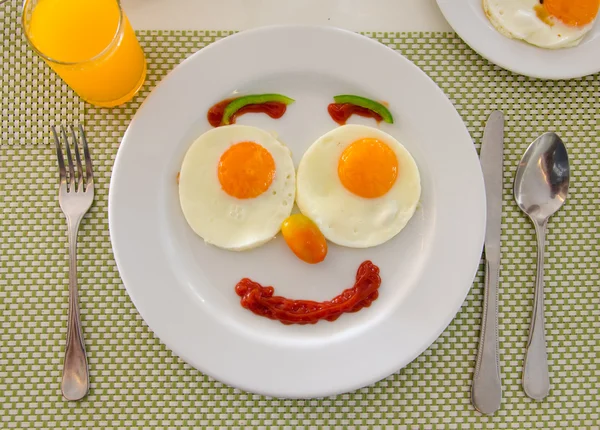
{"x":90,"y":44}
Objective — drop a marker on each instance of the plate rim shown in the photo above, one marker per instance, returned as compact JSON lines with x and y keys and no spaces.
{"x":190,"y":360}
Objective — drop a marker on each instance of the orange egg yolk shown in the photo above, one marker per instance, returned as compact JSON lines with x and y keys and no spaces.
{"x":368,"y":168}
{"x":574,"y":13}
{"x":246,"y":170}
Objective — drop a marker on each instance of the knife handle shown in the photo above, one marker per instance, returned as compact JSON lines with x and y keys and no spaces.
{"x":486,"y":392}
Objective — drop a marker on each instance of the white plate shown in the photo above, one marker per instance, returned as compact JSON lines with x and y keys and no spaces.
{"x":184,"y":289}
{"x":467,"y":18}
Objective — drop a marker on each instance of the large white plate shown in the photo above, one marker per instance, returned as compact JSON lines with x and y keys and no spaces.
{"x":467,"y":18}
{"x":184,"y":289}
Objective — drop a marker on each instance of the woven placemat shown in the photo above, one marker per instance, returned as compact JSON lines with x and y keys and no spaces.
{"x":138,"y":383}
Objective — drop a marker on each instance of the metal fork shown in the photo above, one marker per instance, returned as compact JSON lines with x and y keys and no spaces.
{"x":75,"y":197}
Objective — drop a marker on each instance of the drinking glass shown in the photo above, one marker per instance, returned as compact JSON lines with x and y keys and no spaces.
{"x":90,"y":44}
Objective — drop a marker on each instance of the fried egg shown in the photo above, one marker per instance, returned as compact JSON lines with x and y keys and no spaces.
{"x":545,"y":23}
{"x":236,"y":186}
{"x":359,"y":185}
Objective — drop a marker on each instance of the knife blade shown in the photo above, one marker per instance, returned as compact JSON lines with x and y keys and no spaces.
{"x":491,"y":159}
{"x":486,"y":391}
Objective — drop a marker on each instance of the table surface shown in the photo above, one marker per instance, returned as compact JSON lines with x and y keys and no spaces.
{"x":357,"y":15}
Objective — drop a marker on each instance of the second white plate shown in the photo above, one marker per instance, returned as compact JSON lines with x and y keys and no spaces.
{"x":184,"y":289}
{"x":467,"y":18}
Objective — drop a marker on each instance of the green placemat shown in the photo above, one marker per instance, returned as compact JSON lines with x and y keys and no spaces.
{"x":138,"y":383}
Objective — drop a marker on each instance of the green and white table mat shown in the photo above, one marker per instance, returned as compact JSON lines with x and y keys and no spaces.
{"x":138,"y":383}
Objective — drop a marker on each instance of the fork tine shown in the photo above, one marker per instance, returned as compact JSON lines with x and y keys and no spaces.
{"x":89,"y":178}
{"x":61,"y":161}
{"x":78,"y":159}
{"x":70,"y":160}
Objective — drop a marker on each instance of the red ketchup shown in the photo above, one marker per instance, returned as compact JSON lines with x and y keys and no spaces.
{"x":261,"y":301}
{"x":215,"y":113}
{"x":340,"y":112}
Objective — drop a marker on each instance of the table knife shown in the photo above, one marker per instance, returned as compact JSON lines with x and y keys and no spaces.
{"x":486,"y":391}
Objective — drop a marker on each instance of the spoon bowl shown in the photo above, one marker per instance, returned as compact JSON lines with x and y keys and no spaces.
{"x":542,"y":180}
{"x":540,"y":188}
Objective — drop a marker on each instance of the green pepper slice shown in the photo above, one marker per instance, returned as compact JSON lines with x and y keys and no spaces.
{"x":366,"y":103}
{"x":254,"y":99}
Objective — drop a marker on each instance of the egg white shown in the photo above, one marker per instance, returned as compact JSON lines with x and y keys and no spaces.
{"x":223,"y":220}
{"x":517,"y":19}
{"x":343,"y":217}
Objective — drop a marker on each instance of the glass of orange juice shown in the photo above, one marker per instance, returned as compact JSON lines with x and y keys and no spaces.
{"x":90,"y":44}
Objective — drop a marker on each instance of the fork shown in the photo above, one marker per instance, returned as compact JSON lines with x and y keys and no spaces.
{"x":75,"y":197}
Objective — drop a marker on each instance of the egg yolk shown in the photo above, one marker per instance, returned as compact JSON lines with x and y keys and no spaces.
{"x":575,"y":13}
{"x":368,"y":168}
{"x":246,"y":170}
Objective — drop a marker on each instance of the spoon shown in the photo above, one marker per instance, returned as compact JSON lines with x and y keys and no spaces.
{"x":541,"y":186}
